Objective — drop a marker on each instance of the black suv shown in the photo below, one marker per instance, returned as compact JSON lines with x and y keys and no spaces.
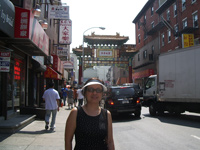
{"x":123,"y":99}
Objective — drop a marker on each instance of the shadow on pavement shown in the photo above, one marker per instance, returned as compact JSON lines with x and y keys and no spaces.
{"x":36,"y":132}
{"x":182,"y":119}
{"x":124,"y":118}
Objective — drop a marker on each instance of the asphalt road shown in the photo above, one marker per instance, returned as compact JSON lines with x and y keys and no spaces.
{"x":166,"y":132}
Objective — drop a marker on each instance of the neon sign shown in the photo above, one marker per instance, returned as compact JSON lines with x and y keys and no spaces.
{"x":17,"y":69}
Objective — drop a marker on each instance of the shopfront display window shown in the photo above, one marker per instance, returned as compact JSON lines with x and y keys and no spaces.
{"x":16,"y":84}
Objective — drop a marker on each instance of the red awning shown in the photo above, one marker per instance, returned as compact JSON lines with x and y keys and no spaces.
{"x":50,"y":73}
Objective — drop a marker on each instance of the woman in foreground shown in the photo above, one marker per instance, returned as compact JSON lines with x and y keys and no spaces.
{"x":91,"y":125}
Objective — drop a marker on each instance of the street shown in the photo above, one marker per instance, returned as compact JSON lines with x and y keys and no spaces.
{"x":166,"y":132}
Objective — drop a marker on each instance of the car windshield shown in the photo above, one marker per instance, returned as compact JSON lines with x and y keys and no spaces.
{"x":123,"y":91}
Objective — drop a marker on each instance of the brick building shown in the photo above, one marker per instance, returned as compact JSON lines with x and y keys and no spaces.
{"x":162,"y":26}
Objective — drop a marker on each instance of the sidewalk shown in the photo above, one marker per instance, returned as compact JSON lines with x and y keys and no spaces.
{"x":35,"y":137}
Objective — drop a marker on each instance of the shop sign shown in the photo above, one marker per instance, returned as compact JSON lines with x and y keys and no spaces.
{"x":63,"y":51}
{"x":65,"y":34}
{"x":5,"y":61}
{"x":58,"y":12}
{"x":104,"y":53}
{"x":27,"y":27}
{"x":56,"y":63}
{"x":187,"y":40}
{"x":68,"y":65}
{"x":7,"y":17}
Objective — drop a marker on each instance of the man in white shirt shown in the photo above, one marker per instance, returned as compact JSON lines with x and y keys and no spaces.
{"x":51,"y":98}
{"x":80,"y":97}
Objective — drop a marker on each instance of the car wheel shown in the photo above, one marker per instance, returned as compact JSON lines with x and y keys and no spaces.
{"x":137,"y":113}
{"x":152,"y":109}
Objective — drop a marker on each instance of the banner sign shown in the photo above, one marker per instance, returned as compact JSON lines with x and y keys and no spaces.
{"x":27,"y":27}
{"x":5,"y":61}
{"x":108,"y":53}
{"x":68,"y":65}
{"x":58,"y":12}
{"x":7,"y":17}
{"x":65,"y":34}
{"x":187,"y":40}
{"x":62,"y":51}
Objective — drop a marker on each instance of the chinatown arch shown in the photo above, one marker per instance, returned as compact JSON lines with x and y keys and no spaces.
{"x":105,"y":50}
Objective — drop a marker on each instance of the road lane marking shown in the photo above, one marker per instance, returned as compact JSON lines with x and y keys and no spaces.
{"x":194,"y":136}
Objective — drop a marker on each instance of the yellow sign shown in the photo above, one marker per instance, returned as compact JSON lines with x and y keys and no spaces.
{"x":188,"y":40}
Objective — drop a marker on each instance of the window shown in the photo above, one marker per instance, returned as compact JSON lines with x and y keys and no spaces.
{"x":152,"y":10}
{"x":138,"y":57}
{"x":175,"y":10}
{"x":145,"y":18}
{"x":168,"y":14}
{"x":184,"y":23}
{"x":193,"y":1}
{"x":145,"y":54}
{"x":176,"y":31}
{"x":183,"y":5}
{"x":152,"y":25}
{"x":139,"y":24}
{"x":139,"y":39}
{"x":145,"y":34}
{"x":195,"y":20}
{"x":169,"y":36}
{"x":163,"y":39}
{"x":152,"y":49}
{"x":151,"y":56}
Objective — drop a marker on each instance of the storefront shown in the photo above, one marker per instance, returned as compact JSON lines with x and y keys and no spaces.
{"x":28,"y":39}
{"x":139,"y":77}
{"x":54,"y":73}
{"x":9,"y":62}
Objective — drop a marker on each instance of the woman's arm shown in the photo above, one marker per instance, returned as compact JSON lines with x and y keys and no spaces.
{"x":111,"y":145}
{"x":70,"y":128}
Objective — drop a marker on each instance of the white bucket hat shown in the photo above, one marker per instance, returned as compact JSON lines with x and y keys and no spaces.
{"x":93,"y":82}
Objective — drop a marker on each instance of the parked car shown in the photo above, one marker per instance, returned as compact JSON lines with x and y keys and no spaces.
{"x":136,"y":87}
{"x":123,"y":99}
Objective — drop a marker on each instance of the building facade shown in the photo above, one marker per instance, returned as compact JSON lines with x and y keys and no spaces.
{"x":162,"y":26}
{"x":28,"y":55}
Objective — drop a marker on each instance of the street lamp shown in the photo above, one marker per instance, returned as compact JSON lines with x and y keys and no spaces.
{"x":83,"y":58}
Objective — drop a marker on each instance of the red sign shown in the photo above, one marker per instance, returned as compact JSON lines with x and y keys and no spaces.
{"x":27,"y":27}
{"x":142,"y":74}
{"x":56,"y":63}
{"x":50,"y":73}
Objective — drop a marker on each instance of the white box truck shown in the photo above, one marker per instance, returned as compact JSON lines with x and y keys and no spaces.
{"x":176,"y":87}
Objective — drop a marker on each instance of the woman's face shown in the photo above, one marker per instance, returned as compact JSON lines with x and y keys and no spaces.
{"x":94,"y":93}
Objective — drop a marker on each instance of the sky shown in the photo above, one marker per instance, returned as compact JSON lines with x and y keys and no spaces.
{"x":115,"y":15}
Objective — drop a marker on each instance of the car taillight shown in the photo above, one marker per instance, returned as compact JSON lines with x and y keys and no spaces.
{"x":138,"y":100}
{"x":110,"y":102}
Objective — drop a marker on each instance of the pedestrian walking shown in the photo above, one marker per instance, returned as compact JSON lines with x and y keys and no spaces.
{"x":64,"y":91}
{"x":51,"y":98}
{"x":70,"y":94}
{"x":91,"y":124}
{"x":80,"y":97}
{"x":75,"y":96}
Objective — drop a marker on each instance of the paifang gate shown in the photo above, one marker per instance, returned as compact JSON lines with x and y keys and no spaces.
{"x":105,"y":50}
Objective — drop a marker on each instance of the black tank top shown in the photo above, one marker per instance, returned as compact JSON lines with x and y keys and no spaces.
{"x":91,"y":131}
